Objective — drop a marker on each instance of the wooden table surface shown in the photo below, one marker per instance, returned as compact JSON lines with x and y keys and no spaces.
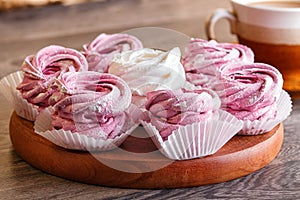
{"x":23,"y":32}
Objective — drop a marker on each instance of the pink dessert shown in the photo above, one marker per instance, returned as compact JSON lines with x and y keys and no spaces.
{"x":249,"y":91}
{"x":43,"y":70}
{"x":168,"y":110}
{"x":96,"y":105}
{"x":101,"y":50}
{"x":203,"y":58}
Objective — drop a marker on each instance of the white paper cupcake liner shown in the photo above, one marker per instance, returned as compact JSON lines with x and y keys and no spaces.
{"x":22,"y":107}
{"x":198,"y":139}
{"x":76,"y":141}
{"x":9,"y":83}
{"x":257,"y":127}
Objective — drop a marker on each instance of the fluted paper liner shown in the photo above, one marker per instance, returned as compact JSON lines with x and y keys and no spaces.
{"x":198,"y":139}
{"x":9,"y":83}
{"x":22,"y":107}
{"x":75,"y":140}
{"x":257,"y":127}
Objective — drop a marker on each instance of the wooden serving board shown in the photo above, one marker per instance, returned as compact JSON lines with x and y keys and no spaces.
{"x":138,"y":164}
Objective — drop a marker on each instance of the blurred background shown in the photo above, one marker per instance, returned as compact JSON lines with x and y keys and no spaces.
{"x":12,"y":4}
{"x":28,"y":25}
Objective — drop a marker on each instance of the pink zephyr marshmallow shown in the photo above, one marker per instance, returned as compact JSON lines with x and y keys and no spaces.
{"x":203,"y":59}
{"x":100,"y":51}
{"x":96,"y":105}
{"x":168,"y":110}
{"x":41,"y":72}
{"x":249,"y":91}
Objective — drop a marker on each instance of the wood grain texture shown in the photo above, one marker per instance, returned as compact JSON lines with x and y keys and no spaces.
{"x":24,"y":32}
{"x":241,"y":156}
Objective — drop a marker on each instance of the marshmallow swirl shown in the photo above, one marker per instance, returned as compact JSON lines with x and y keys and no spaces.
{"x":206,"y":57}
{"x":147,"y":70}
{"x":96,"y":105}
{"x":168,"y":110}
{"x":42,"y":70}
{"x":249,"y":91}
{"x":101,"y":50}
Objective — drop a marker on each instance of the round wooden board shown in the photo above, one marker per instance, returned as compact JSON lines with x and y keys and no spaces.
{"x":138,"y":164}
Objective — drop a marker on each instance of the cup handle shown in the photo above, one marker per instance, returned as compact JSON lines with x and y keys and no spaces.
{"x":215,"y":17}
